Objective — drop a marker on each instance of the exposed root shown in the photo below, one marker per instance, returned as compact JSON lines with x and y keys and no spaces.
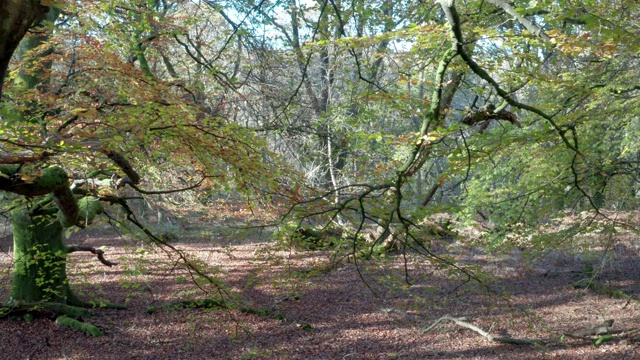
{"x":70,"y":315}
{"x":52,"y":308}
{"x":79,"y":325}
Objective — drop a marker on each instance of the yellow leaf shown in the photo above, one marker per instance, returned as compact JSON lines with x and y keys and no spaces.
{"x":28,"y":178}
{"x":77,"y":111}
{"x":82,"y":112}
{"x":105,"y":192}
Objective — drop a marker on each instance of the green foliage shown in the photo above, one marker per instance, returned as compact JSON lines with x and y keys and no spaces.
{"x":310,"y":239}
{"x":89,"y":207}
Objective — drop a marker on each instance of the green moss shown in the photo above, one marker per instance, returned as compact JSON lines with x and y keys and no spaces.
{"x":8,"y":170}
{"x":52,"y":178}
{"x":39,"y":259}
{"x":79,"y":325}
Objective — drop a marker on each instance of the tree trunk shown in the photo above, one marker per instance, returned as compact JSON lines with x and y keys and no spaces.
{"x":17,"y":17}
{"x":40,"y":256}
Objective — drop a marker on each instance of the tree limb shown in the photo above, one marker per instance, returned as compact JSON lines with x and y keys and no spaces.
{"x":122,"y":162}
{"x":528,"y":24}
{"x":99,"y":253}
{"x":453,"y":19}
{"x":604,"y":328}
{"x":46,"y":181}
{"x":121,"y":182}
{"x":17,"y":18}
{"x":23,"y":157}
{"x":486,"y":114}
{"x":421,"y":149}
{"x":601,"y":329}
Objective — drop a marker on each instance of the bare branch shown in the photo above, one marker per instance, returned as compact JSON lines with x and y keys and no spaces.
{"x":23,"y":157}
{"x":587,"y":334}
{"x":461,"y":321}
{"x":521,"y":19}
{"x":92,"y":250}
{"x":121,"y":182}
{"x":604,"y":328}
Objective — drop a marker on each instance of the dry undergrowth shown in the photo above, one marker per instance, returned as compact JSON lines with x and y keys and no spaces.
{"x":321,"y":313}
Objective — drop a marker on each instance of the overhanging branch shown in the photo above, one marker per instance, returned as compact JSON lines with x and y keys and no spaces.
{"x":488,"y":113}
{"x":132,"y":176}
{"x":171,"y":191}
{"x":453,"y":19}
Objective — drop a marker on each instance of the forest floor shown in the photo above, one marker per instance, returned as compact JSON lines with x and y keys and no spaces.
{"x":311,"y":310}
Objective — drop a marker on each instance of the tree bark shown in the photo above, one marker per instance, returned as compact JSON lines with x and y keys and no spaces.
{"x":17,"y":17}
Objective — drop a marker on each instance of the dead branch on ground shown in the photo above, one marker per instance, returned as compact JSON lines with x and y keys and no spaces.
{"x":597,"y":334}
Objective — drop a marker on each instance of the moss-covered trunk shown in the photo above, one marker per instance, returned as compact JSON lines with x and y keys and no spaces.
{"x":40,"y":260}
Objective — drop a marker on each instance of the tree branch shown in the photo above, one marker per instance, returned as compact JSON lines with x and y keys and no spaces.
{"x":98,"y":252}
{"x":132,"y":176}
{"x":121,"y":182}
{"x":123,"y":164}
{"x":486,"y":114}
{"x":604,"y":328}
{"x":421,"y":149}
{"x":23,"y":157}
{"x":17,"y":18}
{"x":48,"y":180}
{"x":601,"y":329}
{"x":521,"y":19}
{"x":454,"y":20}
